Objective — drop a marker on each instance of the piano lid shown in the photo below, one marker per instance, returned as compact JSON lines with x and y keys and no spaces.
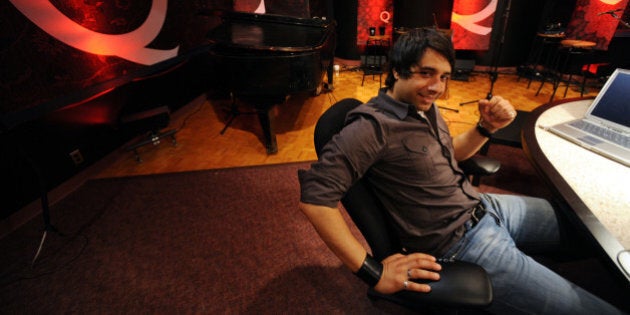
{"x":269,"y":32}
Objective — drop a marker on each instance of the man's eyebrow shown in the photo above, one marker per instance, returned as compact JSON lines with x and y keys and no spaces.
{"x":432,"y":69}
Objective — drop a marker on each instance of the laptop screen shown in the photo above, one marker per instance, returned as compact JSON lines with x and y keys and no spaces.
{"x":614,"y":102}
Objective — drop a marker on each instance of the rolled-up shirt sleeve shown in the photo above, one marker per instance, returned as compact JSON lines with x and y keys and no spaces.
{"x":342,"y":162}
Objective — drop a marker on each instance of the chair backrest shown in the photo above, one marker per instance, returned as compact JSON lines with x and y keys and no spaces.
{"x":360,"y":203}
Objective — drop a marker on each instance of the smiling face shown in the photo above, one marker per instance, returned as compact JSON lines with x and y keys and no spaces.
{"x":426,"y":82}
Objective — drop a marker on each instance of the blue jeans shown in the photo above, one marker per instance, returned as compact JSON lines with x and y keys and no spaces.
{"x":520,"y":284}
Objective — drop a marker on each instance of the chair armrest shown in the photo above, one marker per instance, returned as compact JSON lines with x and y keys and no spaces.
{"x":480,"y":165}
{"x":461,"y":285}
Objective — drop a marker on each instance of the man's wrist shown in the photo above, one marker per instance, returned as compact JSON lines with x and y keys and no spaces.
{"x":371,"y":270}
{"x":483,"y":130}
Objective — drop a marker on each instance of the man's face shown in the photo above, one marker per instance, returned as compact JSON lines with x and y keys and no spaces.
{"x":426,"y":83}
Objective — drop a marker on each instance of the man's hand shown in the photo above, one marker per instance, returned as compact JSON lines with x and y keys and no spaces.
{"x":496,"y":113}
{"x":399,"y":271}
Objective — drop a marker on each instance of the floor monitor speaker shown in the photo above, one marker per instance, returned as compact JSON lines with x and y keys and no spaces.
{"x":463,"y":68}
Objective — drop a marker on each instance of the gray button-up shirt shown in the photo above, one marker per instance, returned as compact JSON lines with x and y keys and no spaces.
{"x":410,"y":166}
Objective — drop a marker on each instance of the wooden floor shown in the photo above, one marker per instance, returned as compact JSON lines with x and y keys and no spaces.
{"x":201,"y":146}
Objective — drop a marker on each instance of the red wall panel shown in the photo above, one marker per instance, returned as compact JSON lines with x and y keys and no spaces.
{"x":587,"y":22}
{"x":471,"y":22}
{"x":373,"y":13}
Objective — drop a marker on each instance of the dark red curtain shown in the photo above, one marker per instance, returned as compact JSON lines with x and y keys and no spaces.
{"x":590,"y":23}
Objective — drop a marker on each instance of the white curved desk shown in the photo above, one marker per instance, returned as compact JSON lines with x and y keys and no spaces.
{"x":595,"y":188}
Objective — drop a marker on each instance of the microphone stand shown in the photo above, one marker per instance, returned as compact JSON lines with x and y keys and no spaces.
{"x":624,"y":23}
{"x":48,"y":227}
{"x":493,"y":73}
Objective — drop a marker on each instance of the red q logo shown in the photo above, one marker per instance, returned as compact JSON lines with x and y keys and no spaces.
{"x":130,"y":46}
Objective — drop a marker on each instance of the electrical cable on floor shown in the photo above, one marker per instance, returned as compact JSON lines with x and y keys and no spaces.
{"x":185,"y":120}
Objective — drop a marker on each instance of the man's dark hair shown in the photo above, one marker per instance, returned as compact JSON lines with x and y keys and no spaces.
{"x":410,"y":47}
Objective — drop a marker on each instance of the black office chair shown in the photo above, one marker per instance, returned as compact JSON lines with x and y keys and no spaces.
{"x":462,"y":285}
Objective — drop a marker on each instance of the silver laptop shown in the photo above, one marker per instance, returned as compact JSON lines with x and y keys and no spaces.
{"x":605,"y":128}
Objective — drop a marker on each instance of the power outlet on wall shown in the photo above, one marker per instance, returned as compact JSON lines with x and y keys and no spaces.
{"x":76,"y":157}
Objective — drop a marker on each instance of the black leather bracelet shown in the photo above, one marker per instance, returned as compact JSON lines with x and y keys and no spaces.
{"x":371,"y":270}
{"x":483,"y":131}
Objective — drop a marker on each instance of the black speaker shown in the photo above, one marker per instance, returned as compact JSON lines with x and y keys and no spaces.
{"x":463,"y":68}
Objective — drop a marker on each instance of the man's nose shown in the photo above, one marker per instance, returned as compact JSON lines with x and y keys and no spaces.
{"x":436,"y":84}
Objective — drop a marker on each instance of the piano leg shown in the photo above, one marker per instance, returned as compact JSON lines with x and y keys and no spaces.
{"x":266,"y":122}
{"x":263,"y":106}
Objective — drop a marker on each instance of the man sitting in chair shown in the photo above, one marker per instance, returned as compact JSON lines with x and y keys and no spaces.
{"x":399,"y":142}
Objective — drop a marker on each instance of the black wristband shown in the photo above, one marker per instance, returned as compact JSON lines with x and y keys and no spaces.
{"x":483,"y":131}
{"x":371,"y":270}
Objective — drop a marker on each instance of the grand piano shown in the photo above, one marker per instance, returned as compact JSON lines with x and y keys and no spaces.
{"x":263,"y":58}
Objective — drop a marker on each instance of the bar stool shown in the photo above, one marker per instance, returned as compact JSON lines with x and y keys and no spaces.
{"x":566,"y":54}
{"x":540,"y":57}
{"x":376,"y":50}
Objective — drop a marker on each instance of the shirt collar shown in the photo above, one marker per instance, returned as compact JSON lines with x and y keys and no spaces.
{"x":400,"y":109}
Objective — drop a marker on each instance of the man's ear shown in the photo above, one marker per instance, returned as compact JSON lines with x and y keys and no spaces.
{"x":396,"y":75}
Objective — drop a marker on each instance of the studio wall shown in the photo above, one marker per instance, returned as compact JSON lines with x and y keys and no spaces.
{"x":55,"y":51}
{"x":71,"y":69}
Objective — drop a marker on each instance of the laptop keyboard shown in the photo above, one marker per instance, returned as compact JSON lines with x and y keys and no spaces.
{"x":604,"y":133}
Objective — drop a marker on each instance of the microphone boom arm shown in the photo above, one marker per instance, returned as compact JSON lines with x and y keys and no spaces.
{"x":620,"y":20}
